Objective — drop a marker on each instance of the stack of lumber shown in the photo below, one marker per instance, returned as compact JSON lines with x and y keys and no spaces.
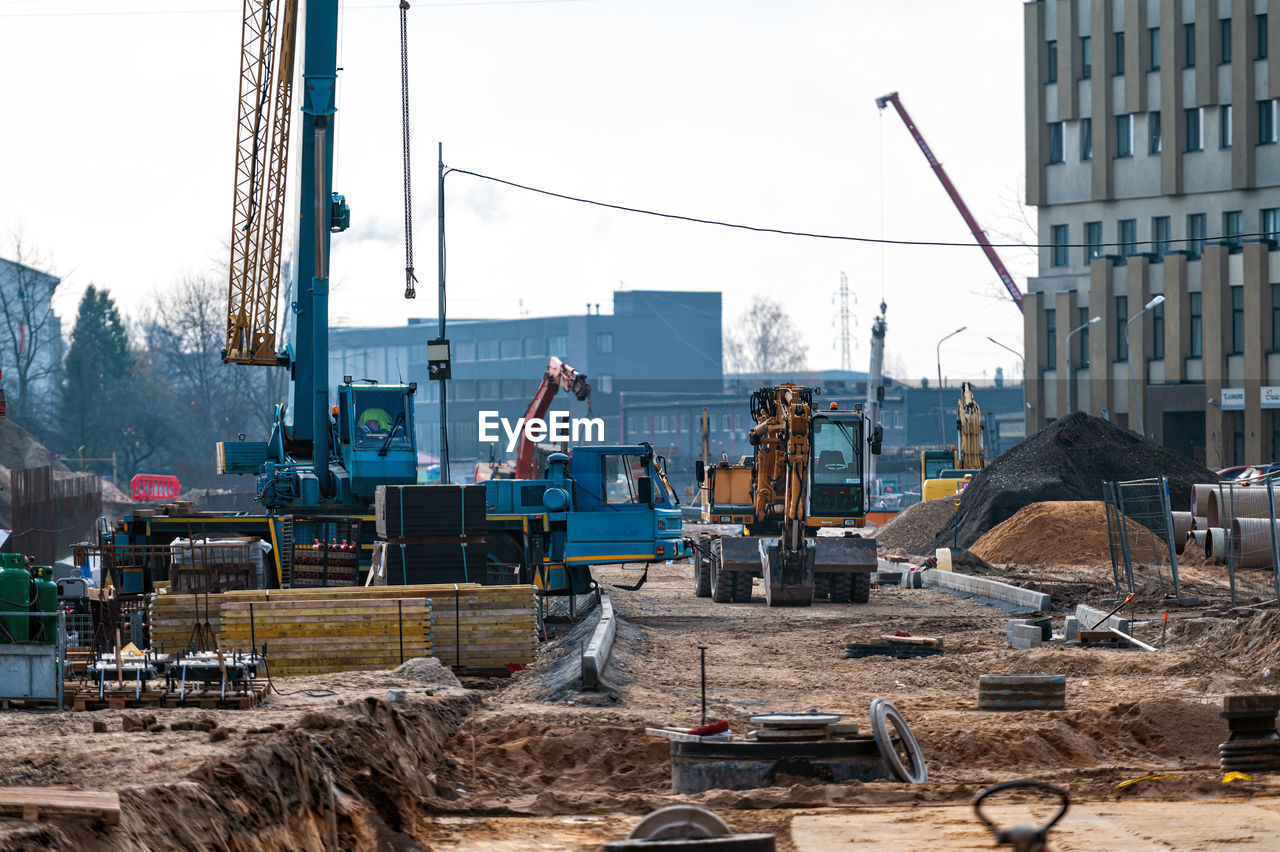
{"x":433,"y":533}
{"x":309,"y":631}
{"x":314,"y":634}
{"x":173,"y":618}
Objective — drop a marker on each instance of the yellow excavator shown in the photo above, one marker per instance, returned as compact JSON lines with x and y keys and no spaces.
{"x":937,"y":477}
{"x":808,"y":472}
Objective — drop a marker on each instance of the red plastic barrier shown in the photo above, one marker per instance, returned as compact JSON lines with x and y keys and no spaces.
{"x":151,"y":487}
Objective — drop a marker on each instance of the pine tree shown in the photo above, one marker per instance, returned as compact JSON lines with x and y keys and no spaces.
{"x":97,"y":383}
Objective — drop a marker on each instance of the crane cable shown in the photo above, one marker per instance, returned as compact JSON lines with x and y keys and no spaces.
{"x":409,"y":278}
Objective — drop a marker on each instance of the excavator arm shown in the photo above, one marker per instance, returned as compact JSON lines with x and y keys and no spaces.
{"x":969,"y":424}
{"x":558,"y":375}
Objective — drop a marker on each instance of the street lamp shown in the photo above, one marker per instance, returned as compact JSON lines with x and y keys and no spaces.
{"x":941,"y":428}
{"x":1015,"y":352}
{"x":1133,"y":387}
{"x":1071,"y":388}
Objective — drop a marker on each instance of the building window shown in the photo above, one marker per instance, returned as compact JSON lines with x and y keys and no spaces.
{"x":1086,"y":58}
{"x":557,"y":344}
{"x":534,"y":347}
{"x":1153,"y":37}
{"x":1161,"y":235}
{"x":511,"y":347}
{"x":516,"y":389}
{"x":466,"y":351}
{"x":1224,"y":126}
{"x":487,"y":389}
{"x":1055,"y":142}
{"x":1119,"y":54}
{"x":486,"y":350}
{"x":1124,"y":135}
{"x":1195,"y":235}
{"x":604,"y":343}
{"x":1051,"y":48}
{"x":1275,"y":318}
{"x":1157,"y":332}
{"x":1224,"y":40}
{"x":603,"y":384}
{"x":1051,"y":339}
{"x":1083,"y":324}
{"x":1194,"y":302}
{"x":1195,"y":129}
{"x":1266,"y":122}
{"x":1270,"y":221}
{"x":1237,"y":320}
{"x":1093,"y":241}
{"x":1262,"y":36}
{"x":1232,"y":228}
{"x":1086,"y":139}
{"x":1060,"y":241}
{"x":1122,"y":318}
{"x":1189,"y":44}
{"x":1153,"y":133}
{"x":725,"y":424}
{"x":1128,"y":231}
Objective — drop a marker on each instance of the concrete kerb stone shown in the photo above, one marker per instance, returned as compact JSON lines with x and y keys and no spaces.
{"x":948,"y":581}
{"x":1089,"y":618}
{"x":596,"y":655}
{"x":1071,"y":629}
{"x":1010,"y":625}
{"x":1026,"y":636}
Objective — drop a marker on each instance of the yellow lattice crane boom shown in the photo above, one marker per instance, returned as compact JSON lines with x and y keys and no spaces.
{"x":268,"y":40}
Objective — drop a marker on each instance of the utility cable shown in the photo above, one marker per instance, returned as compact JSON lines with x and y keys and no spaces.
{"x":839,"y":237}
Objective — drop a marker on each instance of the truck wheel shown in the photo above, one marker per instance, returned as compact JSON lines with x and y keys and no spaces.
{"x":861,"y":588}
{"x":742,"y":588}
{"x":721,"y":581}
{"x":841,"y":587}
{"x":821,"y":586}
{"x":702,"y":567}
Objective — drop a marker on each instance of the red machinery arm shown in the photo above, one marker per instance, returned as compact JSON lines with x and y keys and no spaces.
{"x":974,"y":228}
{"x":559,"y":375}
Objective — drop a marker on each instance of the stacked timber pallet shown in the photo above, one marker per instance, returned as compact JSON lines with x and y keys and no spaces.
{"x":310,"y":631}
{"x":432,"y":533}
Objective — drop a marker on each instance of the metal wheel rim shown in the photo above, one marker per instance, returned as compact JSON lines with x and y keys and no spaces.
{"x":882,"y":713}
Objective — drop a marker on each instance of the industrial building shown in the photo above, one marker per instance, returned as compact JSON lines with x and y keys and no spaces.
{"x":1151,"y":155}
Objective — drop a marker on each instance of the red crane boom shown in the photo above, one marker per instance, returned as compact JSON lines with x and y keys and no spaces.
{"x":974,"y":228}
{"x":559,"y":375}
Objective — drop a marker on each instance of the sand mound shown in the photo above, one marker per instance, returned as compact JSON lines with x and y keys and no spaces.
{"x":915,"y":527}
{"x":1068,"y":460}
{"x":426,"y":670}
{"x":1068,"y":532}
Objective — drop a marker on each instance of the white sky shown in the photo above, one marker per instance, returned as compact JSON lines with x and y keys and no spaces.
{"x":116,"y":155}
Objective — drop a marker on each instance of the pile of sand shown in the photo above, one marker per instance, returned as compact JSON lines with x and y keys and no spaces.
{"x":1068,"y":532}
{"x":914,"y":528}
{"x":1068,"y":460}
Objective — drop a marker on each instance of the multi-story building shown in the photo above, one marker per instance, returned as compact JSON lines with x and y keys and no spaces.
{"x":1151,"y":155}
{"x":31,"y":347}
{"x":655,"y":341}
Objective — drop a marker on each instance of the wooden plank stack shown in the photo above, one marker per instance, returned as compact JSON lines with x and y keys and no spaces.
{"x":310,"y":631}
{"x":32,"y":803}
{"x":173,"y":618}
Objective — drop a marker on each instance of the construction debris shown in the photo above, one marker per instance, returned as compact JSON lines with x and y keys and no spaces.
{"x":1022,"y":692}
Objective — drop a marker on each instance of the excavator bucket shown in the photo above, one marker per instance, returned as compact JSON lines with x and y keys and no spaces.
{"x":845,"y":554}
{"x":788,"y":576}
{"x":739,"y":553}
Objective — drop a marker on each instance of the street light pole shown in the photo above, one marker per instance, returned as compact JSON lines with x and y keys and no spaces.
{"x":1133,"y":385}
{"x":1071,"y":388}
{"x":942,"y":441}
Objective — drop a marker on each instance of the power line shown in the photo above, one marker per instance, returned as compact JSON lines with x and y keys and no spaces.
{"x":839,"y":237}
{"x":135,"y":12}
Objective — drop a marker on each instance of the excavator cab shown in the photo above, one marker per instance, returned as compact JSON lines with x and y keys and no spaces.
{"x":837,"y":475}
{"x":376,"y":436}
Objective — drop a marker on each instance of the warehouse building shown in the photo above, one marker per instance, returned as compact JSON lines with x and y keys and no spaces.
{"x":1151,"y":155}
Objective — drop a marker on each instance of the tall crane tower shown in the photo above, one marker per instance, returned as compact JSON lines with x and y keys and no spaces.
{"x":846,"y":362}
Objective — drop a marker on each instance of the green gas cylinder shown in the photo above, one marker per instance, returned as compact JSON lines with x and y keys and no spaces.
{"x":45,"y":603}
{"x":15,"y":596}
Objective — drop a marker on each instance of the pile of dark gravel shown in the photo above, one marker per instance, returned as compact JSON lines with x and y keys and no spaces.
{"x":915,"y":526}
{"x":1067,"y":460}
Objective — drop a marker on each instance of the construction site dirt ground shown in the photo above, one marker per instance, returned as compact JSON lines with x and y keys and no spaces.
{"x":532,"y":762}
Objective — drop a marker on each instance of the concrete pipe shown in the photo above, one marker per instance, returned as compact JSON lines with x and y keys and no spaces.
{"x":1237,"y":503}
{"x":1215,"y":546}
{"x":1183,"y":523}
{"x":1200,"y":498}
{"x":1251,"y":541}
{"x":1199,"y":522}
{"x":1195,"y":537}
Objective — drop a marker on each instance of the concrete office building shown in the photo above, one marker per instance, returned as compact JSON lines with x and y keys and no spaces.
{"x":1151,"y":129}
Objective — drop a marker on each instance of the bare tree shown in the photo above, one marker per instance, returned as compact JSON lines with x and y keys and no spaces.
{"x":764,"y":340}
{"x":30,"y":334}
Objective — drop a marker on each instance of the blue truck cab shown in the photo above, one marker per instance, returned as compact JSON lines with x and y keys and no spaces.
{"x":606,"y":504}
